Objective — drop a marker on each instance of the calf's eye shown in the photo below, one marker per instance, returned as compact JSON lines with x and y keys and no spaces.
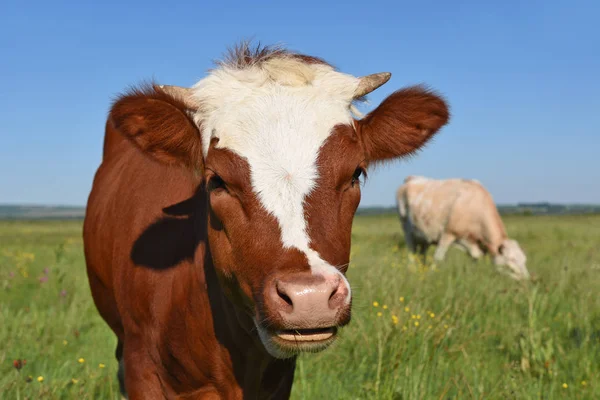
{"x":216,"y":182}
{"x":356,"y":176}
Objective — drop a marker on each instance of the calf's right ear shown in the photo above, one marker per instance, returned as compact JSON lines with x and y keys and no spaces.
{"x":402,"y":123}
{"x":159,"y":124}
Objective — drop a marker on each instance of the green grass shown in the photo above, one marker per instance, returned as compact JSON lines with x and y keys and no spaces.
{"x":488,"y":337}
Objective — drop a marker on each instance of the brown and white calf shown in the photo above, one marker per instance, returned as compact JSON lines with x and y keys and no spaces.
{"x":456,"y":211}
{"x":217,"y":233}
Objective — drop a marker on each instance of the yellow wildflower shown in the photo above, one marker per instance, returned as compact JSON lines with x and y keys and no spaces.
{"x":406,"y":309}
{"x":404,"y":328}
{"x":418,"y":316}
{"x":101,"y":365}
{"x":40,"y":379}
{"x":375,"y":304}
{"x":379,"y":314}
{"x":416,"y":323}
{"x":74,"y":381}
{"x":564,"y":385}
{"x":385,"y":307}
{"x":432,"y":315}
{"x":81,"y":361}
{"x":65,"y":342}
{"x":445,"y":326}
{"x":394,"y":319}
{"x":413,"y":316}
{"x":401,"y":299}
{"x":583,"y":383}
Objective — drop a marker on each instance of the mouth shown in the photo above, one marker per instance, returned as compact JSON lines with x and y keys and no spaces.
{"x":317,"y":335}
{"x":285,"y":343}
{"x":519,"y":273}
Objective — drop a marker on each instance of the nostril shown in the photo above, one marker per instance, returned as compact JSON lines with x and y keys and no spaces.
{"x":338,"y":295}
{"x":284,"y":297}
{"x":333,"y":293}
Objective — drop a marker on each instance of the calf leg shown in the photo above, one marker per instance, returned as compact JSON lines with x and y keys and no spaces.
{"x":121,"y":378}
{"x":445,"y":241}
{"x":141,"y":380}
{"x":121,"y":370}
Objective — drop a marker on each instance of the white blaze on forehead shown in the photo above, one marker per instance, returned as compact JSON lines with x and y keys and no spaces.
{"x":277,"y":115}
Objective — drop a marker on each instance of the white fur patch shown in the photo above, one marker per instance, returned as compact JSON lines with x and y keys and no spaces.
{"x":320,"y":267}
{"x":277,"y":115}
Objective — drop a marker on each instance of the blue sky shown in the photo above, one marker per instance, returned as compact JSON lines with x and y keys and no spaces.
{"x":522,"y":79}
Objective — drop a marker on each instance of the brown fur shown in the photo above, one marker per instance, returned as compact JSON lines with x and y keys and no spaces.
{"x":179,"y":262}
{"x":158,"y":124}
{"x":403,"y":123}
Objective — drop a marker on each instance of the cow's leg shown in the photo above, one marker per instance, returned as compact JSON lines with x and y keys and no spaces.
{"x":473,"y":249}
{"x":143,"y":382}
{"x":141,"y":379}
{"x":121,"y":378}
{"x":107,"y":307}
{"x":409,"y":239}
{"x":413,"y":247}
{"x":423,"y":247}
{"x":121,"y":370}
{"x":445,"y":241}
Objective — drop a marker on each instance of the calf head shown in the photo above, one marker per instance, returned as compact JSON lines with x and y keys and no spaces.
{"x":273,"y":137}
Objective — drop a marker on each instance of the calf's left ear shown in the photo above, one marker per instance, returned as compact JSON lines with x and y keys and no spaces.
{"x":157,"y":122}
{"x":402,"y":123}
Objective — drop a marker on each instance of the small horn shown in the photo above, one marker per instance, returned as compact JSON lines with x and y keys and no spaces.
{"x":369,"y":83}
{"x":183,"y":94}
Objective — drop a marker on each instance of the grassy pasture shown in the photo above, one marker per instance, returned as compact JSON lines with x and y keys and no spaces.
{"x":460,"y":330}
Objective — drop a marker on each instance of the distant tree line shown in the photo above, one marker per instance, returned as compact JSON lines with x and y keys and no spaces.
{"x":40,"y":212}
{"x":69,"y":212}
{"x":507,"y":209}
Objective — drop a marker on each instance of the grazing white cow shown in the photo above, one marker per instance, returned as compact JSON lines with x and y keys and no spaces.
{"x":456,"y":211}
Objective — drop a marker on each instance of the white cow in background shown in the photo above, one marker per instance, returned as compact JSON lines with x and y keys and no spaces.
{"x":456,"y":211}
